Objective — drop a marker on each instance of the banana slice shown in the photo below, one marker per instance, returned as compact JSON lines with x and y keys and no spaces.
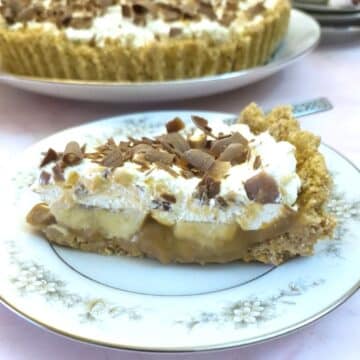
{"x":205,"y":234}
{"x":122,"y":224}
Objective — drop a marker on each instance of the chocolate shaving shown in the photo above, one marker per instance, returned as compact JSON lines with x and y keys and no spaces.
{"x":104,"y":3}
{"x":235,"y":153}
{"x":58,"y":173}
{"x":220,"y":145}
{"x":262,"y":188}
{"x":208,"y":188}
{"x":50,"y":156}
{"x":16,"y":5}
{"x":8,"y":14}
{"x":32,"y":12}
{"x":126,"y":11}
{"x":72,"y":153}
{"x":113,"y":159}
{"x":169,"y":197}
{"x":124,"y":146}
{"x":146,"y":140}
{"x":140,"y":8}
{"x":159,"y":156}
{"x":202,"y":124}
{"x":227,"y":18}
{"x":140,"y":148}
{"x":221,"y":201}
{"x":108,"y":146}
{"x":208,"y":144}
{"x":44,"y":178}
{"x":232,"y":5}
{"x":139,"y":19}
{"x":207,"y":10}
{"x":175,"y":125}
{"x":230,"y":12}
{"x":200,"y":160}
{"x":254,"y":10}
{"x":174,"y":142}
{"x":60,"y":14}
{"x":257,"y":162}
{"x":161,"y":205}
{"x":169,"y":12}
{"x":83,"y":22}
{"x":175,"y":31}
{"x":189,"y":10}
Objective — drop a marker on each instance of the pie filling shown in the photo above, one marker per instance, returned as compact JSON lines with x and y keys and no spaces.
{"x":188,"y":242}
{"x":136,"y":22}
{"x":206,"y":193}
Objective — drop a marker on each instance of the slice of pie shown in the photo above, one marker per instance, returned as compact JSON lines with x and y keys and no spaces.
{"x":210,"y":192}
{"x":138,"y":40}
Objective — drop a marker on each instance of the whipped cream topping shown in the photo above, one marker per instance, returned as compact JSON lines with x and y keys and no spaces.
{"x":128,"y":187}
{"x":112,"y":25}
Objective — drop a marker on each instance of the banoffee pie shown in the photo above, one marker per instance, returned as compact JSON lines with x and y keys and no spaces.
{"x":138,"y":40}
{"x":201,"y":193}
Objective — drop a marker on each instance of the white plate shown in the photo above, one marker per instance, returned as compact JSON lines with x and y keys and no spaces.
{"x":141,"y":304}
{"x":340,"y":30}
{"x":325,"y":8}
{"x":333,"y":19}
{"x":302,"y":37}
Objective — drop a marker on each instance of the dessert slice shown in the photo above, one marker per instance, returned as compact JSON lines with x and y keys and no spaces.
{"x":254,"y":190}
{"x":138,"y":40}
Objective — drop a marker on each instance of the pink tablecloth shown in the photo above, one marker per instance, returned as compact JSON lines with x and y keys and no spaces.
{"x":333,"y":70}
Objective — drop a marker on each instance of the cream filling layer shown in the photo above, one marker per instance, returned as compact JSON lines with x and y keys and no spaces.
{"x":128,"y":189}
{"x":113,"y":26}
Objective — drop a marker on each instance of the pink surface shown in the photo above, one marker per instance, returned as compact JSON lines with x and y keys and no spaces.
{"x":332,"y":70}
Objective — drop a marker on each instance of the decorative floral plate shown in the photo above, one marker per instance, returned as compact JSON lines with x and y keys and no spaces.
{"x":302,"y":37}
{"x":140,"y":304}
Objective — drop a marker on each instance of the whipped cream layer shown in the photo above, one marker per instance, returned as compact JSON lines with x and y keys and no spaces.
{"x":90,"y":185}
{"x":112,"y":25}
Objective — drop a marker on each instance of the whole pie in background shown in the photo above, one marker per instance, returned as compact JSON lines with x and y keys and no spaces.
{"x":138,"y":40}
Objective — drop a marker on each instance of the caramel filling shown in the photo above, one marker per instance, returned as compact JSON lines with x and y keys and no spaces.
{"x":98,"y":230}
